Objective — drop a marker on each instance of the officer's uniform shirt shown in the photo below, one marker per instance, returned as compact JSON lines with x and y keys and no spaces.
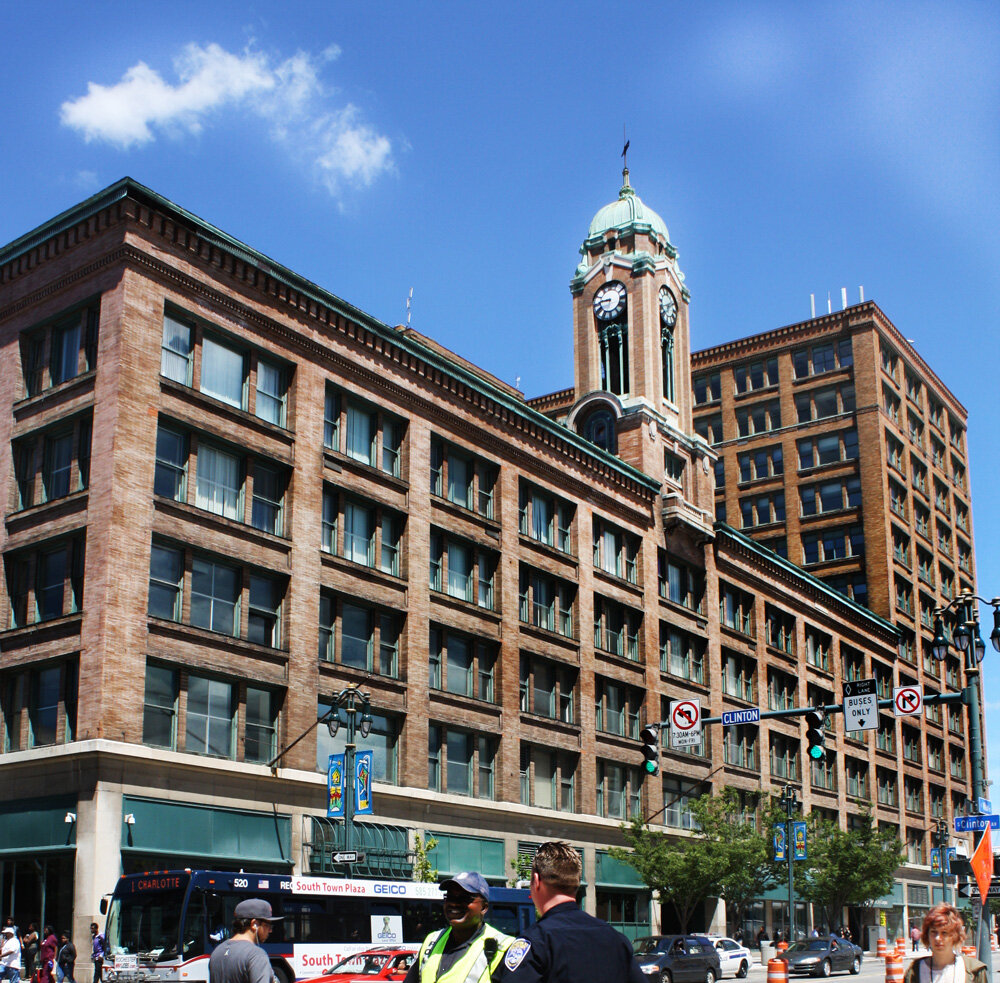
{"x":566,"y":945}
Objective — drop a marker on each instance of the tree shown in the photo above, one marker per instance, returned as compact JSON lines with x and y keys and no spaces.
{"x":422,"y":869}
{"x":521,"y":865}
{"x":684,"y":871}
{"x":847,"y":867}
{"x":744,"y":846}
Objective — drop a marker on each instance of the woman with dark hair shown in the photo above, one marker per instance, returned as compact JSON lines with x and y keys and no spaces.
{"x":29,"y":951}
{"x":47,"y":955}
{"x":943,"y":932}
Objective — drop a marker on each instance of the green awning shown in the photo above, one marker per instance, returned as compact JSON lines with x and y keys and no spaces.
{"x":179,"y":829}
{"x":37,"y":825}
{"x":454,"y":854}
{"x":614,"y":873}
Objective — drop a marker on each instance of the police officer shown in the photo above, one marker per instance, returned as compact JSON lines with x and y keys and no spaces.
{"x":468,"y":950}
{"x":566,"y":945}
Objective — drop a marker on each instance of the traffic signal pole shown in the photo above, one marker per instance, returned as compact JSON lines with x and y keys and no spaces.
{"x":789,"y":802}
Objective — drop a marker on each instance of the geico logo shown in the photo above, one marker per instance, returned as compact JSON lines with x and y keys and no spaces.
{"x":390,"y":888}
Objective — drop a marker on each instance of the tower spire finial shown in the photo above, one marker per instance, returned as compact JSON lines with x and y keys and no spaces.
{"x":626,"y":188}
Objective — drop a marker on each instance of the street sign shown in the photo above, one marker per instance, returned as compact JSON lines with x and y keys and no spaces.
{"x":966,"y":890}
{"x":348,"y":857}
{"x":860,"y":705}
{"x":985,"y":806}
{"x":972,"y":824}
{"x":685,"y":723}
{"x":730,"y":717}
{"x":907,"y":700}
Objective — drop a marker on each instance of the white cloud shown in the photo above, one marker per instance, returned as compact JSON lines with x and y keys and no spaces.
{"x":288,"y":96}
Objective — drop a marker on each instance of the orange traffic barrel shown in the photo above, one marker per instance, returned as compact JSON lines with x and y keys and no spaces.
{"x":782,"y":946}
{"x":968,"y":950}
{"x":880,"y":949}
{"x":893,"y":968}
{"x":777,"y":971}
{"x":900,"y":947}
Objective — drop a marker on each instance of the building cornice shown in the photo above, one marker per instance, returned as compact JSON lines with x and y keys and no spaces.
{"x":306,"y":302}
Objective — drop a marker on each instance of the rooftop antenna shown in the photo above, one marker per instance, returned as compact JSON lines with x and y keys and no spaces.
{"x":409,"y":301}
{"x":861,"y":291}
{"x":517,"y":382}
{"x":626,"y":140}
{"x":812,"y":305}
{"x":829,"y":303}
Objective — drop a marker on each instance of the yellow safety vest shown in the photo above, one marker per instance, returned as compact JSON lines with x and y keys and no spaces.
{"x":472,"y":967}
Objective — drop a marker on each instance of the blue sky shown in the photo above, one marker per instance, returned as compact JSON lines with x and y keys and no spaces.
{"x":461,"y":150}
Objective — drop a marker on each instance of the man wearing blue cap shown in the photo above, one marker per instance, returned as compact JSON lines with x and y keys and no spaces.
{"x":468,"y":950}
{"x":240,"y":959}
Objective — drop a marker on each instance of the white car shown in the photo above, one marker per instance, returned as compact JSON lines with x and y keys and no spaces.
{"x":734,"y":958}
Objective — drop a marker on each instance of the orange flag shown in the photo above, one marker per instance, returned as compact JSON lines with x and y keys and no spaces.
{"x":982,"y":863}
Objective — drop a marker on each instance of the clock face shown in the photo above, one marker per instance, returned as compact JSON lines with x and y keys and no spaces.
{"x":609,"y":301}
{"x":668,"y":307}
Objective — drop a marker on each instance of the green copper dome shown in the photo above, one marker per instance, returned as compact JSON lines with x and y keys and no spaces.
{"x":628,"y":211}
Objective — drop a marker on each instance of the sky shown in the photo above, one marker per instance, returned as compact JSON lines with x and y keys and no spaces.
{"x":460,"y":150}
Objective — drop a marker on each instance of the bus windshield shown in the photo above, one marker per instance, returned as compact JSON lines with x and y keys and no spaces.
{"x":146,"y":920}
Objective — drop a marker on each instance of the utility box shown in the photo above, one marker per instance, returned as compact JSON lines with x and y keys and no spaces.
{"x":875,"y":932}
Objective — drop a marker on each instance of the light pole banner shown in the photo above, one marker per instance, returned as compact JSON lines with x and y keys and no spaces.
{"x":335,"y":785}
{"x":779,"y":843}
{"x":363,"y":783}
{"x":799,"y":837}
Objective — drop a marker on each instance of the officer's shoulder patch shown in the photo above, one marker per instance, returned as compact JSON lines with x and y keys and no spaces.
{"x":519,"y":948}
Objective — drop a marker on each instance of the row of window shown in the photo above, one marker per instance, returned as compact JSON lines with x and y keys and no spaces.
{"x":763,"y":373}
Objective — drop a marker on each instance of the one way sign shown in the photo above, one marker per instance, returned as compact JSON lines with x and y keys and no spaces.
{"x":967,"y":889}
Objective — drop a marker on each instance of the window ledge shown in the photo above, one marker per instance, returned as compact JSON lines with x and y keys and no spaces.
{"x":471,"y":607}
{"x":443,"y":698}
{"x":196,"y":397}
{"x":623,"y":583}
{"x":78,"y":385}
{"x":490,"y":526}
{"x":50,"y":511}
{"x":216,"y":640}
{"x":338,"y":462}
{"x":204,"y":517}
{"x":546,"y":549}
{"x":39,"y":632}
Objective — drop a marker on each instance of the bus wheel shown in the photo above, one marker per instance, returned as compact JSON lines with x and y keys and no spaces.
{"x":281,"y":973}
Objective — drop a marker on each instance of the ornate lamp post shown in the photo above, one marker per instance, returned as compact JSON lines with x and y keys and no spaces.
{"x":962,"y":614}
{"x":355,"y":704}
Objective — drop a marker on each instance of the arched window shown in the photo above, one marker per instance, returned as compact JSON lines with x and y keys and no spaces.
{"x":599,"y":428}
{"x":667,"y":360}
{"x":614,"y":358}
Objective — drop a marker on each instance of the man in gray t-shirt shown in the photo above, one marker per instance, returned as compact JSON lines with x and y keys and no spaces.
{"x":240,"y":959}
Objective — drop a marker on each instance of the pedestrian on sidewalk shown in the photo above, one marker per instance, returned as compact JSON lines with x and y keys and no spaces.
{"x":915,"y":937}
{"x":10,"y":955}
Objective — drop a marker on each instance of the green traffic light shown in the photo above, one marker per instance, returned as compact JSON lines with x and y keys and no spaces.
{"x":651,"y":767}
{"x":816,"y":752}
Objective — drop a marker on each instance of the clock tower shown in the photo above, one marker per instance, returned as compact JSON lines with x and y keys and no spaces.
{"x":632,"y":383}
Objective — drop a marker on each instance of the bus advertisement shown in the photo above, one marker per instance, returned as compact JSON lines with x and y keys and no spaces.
{"x":163,"y":925}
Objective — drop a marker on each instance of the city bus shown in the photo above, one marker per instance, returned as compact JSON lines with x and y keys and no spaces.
{"x":162,"y":925}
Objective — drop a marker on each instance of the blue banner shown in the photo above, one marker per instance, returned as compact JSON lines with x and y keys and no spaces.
{"x":779,"y":843}
{"x":798,"y":841}
{"x":363,"y":783}
{"x":335,"y":785}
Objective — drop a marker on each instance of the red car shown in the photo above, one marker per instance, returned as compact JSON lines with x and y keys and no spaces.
{"x":386,"y":963}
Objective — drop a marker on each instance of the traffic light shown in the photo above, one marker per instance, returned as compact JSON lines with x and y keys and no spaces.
{"x":650,"y":748}
{"x":816,"y":735}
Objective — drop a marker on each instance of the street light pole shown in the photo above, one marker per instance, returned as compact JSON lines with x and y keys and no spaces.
{"x":963,"y":614}
{"x":354,"y":703}
{"x":789,"y":802}
{"x":941,"y":835}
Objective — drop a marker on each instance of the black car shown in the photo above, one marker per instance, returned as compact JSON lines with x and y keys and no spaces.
{"x":821,"y":957}
{"x":678,"y":958}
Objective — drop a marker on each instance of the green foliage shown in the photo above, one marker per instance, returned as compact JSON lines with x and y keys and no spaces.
{"x":684,"y":871}
{"x":743,"y":844}
{"x":847,"y":867}
{"x":422,"y":869}
{"x":521,"y":865}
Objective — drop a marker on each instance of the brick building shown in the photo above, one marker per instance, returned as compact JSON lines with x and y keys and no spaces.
{"x":232,"y":494}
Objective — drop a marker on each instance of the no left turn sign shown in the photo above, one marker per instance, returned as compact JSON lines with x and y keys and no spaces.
{"x":685,"y":723}
{"x":907,"y":700}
